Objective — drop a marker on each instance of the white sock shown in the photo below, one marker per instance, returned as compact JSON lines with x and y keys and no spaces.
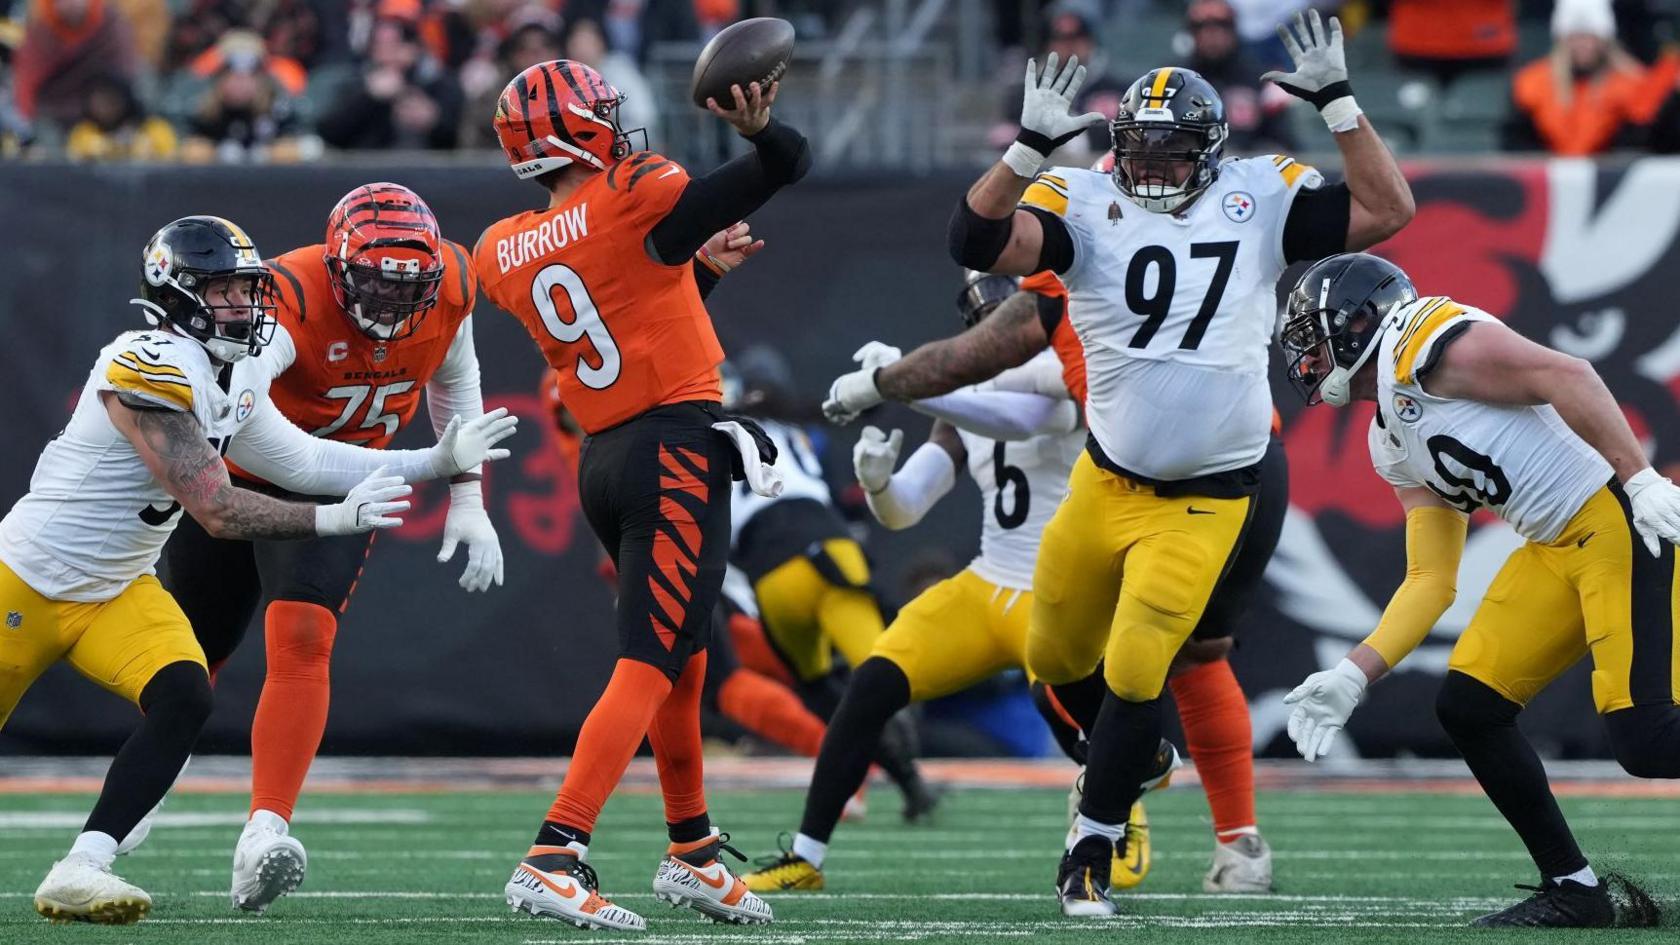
{"x":811,"y":851}
{"x":1585,"y":876}
{"x":102,"y":847}
{"x":269,"y":819}
{"x":1086,"y":827}
{"x":581,"y":849}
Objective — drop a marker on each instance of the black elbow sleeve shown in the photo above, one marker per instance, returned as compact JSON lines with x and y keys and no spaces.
{"x":976,"y":241}
{"x":783,"y":152}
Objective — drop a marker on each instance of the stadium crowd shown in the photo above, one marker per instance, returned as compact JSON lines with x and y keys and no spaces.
{"x":290,"y":80}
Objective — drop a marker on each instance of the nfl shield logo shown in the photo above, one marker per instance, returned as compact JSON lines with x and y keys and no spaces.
{"x":378,"y":354}
{"x":14,"y":620}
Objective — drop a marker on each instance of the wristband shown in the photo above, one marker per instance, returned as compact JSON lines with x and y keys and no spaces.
{"x":1024,"y":159}
{"x":1341,"y":114}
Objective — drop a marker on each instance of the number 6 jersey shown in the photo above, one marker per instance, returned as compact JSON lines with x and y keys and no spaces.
{"x":1522,"y":463}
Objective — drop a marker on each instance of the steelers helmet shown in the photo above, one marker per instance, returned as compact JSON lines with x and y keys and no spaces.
{"x":1336,"y":315}
{"x":982,"y":293}
{"x":179,"y":272}
{"x":1169,"y":133}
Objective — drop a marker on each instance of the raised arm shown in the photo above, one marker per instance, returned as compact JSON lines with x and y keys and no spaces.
{"x":899,"y":500}
{"x":174,"y":448}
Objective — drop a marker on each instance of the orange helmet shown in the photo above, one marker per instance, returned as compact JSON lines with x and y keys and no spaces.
{"x":558,"y":113}
{"x":385,"y":257}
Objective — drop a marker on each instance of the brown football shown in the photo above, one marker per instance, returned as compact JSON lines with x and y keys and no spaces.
{"x":754,"y":50}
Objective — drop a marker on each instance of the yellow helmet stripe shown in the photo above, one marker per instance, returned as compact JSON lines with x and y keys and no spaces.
{"x":1159,"y":89}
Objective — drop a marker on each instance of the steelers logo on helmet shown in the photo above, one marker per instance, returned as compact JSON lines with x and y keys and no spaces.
{"x":158,"y":262}
{"x":1169,"y":133}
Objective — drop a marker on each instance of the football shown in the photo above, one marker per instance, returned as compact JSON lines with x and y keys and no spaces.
{"x":754,"y":50}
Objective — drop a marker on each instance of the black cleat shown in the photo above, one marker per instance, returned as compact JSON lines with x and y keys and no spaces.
{"x":1161,"y":769}
{"x":1082,"y":879}
{"x":1555,"y":905}
{"x":920,"y":801}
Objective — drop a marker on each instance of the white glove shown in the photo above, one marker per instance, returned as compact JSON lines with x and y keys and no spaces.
{"x":1045,"y":120}
{"x":762,"y":477}
{"x":465,"y":445}
{"x":375,"y":502}
{"x":1322,"y":704}
{"x":1321,"y":75}
{"x":467,"y":521}
{"x":1656,"y":508}
{"x":855,"y":392}
{"x":875,"y":456}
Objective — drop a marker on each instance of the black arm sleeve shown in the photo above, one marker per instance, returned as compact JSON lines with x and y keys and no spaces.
{"x":705,"y":278}
{"x":1317,"y":225}
{"x":1056,"y":254}
{"x":731,"y":192}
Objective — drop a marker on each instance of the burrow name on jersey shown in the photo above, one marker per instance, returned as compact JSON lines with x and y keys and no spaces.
{"x":552,"y":234}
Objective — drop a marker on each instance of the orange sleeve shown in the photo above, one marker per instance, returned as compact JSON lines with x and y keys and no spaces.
{"x":1044,"y":283}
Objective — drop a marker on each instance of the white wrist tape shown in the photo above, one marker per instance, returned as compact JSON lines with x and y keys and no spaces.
{"x":1342,"y":114}
{"x":1024,"y":161}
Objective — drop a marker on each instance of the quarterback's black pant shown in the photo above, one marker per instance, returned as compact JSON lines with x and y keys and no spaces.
{"x":219,"y":582}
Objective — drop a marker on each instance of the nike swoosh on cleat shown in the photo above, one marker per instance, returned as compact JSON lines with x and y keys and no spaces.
{"x":569,"y":890}
{"x":714,"y":883}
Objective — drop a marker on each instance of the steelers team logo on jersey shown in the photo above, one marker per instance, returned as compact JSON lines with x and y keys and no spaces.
{"x":1407,"y":409}
{"x":247,"y":403}
{"x":1238,"y":206}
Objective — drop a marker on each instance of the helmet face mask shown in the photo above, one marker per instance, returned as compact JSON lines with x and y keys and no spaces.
{"x":1337,"y":314}
{"x":1169,"y":134}
{"x":203,"y":277}
{"x":385,"y":256}
{"x":982,"y":293}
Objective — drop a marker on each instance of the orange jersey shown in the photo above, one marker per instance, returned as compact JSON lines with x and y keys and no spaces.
{"x":625,"y":332}
{"x":340,"y":383}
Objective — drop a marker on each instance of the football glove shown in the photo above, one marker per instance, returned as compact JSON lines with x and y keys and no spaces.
{"x":1321,"y":75}
{"x":875,"y":457}
{"x":465,"y":445}
{"x":375,"y":502}
{"x":468,"y":522}
{"x":1323,"y":703}
{"x":855,"y":392}
{"x":1045,"y":122}
{"x":1656,"y":508}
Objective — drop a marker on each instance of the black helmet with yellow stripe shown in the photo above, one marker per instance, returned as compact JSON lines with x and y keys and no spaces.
{"x":1169,"y":133}
{"x":202,"y":275}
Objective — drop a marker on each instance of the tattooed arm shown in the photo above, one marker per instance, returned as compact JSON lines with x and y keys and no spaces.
{"x":175,"y":449}
{"x":1008,"y":337}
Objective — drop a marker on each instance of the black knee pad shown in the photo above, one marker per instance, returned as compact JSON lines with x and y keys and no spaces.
{"x":1466,"y":704}
{"x":1646,"y":740}
{"x":178,"y":695}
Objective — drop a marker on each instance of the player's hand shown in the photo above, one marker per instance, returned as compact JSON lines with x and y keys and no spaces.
{"x":751,"y":111}
{"x":1323,"y":704}
{"x":1656,"y":508}
{"x":376,"y":502}
{"x":468,"y":522}
{"x":467,"y":444}
{"x":1321,"y":74}
{"x":855,"y":392}
{"x":1045,"y":120}
{"x":730,"y":247}
{"x":875,"y":457}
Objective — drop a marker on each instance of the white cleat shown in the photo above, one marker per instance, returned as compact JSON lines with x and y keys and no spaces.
{"x":553,"y":882}
{"x":696,"y":878}
{"x":267,"y":864}
{"x":80,"y":889}
{"x":1243,"y":865}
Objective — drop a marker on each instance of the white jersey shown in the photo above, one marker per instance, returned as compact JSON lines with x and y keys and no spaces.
{"x":801,"y":475}
{"x":1523,"y":463}
{"x":1176,"y":313}
{"x":94,"y":518}
{"x":1021,"y":484}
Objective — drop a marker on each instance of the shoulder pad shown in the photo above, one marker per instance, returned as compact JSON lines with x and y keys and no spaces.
{"x":1418,"y":331}
{"x":1048,"y":191}
{"x":154,"y":368}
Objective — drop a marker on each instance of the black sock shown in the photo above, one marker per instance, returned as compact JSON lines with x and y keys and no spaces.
{"x":1646,"y":739}
{"x":877,"y":690}
{"x":1123,"y":746}
{"x":1483,"y":725}
{"x":553,"y":834}
{"x":1083,"y":698}
{"x":698,"y":827}
{"x":177,"y":702}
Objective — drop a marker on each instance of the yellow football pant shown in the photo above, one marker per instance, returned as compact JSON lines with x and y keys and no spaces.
{"x":956,"y":633}
{"x":808,"y":617}
{"x":119,"y":644}
{"x":1125,"y":574}
{"x":1594,"y":589}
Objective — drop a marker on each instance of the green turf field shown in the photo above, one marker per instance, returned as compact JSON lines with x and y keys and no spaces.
{"x":417,"y":868}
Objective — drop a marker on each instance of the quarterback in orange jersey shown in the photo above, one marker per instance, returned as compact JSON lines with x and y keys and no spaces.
{"x":378,"y":313}
{"x":602,"y":279}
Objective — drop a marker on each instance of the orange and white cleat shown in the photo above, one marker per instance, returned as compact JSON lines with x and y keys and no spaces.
{"x":692,"y":875}
{"x":552,"y":881}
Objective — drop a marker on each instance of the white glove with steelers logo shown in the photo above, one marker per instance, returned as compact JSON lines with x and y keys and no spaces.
{"x":1656,"y":508}
{"x":1323,"y":703}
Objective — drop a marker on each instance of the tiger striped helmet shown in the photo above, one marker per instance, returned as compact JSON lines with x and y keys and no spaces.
{"x":558,"y":113}
{"x":384,"y":255}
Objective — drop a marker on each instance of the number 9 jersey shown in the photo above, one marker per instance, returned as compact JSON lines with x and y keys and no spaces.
{"x":1522,"y":463}
{"x":625,"y":332}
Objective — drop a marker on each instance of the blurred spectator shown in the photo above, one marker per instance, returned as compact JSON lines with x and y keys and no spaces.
{"x":403,"y":99}
{"x":149,"y":19}
{"x":1073,"y":32}
{"x":251,"y":51}
{"x":116,"y":127}
{"x":196,"y":29}
{"x":67,"y":46}
{"x":1447,"y":38}
{"x":535,"y":40}
{"x":1588,"y":95}
{"x":1258,"y":112}
{"x":245,"y":113}
{"x":584,"y":41}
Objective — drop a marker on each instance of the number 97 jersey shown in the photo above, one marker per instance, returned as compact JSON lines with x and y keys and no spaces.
{"x":623,"y":331}
{"x":1522,"y":463}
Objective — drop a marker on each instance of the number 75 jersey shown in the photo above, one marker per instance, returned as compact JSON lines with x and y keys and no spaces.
{"x":1522,"y":463}
{"x":624,"y":332}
